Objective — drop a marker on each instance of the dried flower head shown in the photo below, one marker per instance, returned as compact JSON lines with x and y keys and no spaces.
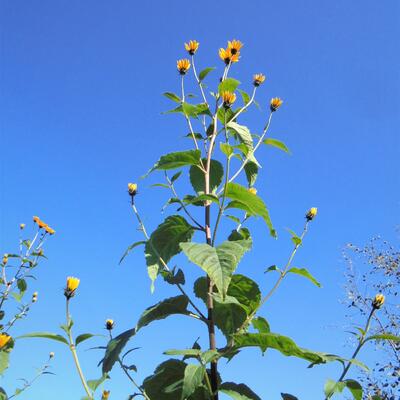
{"x":72,"y":285}
{"x":183,"y":65}
{"x":228,"y":98}
{"x":109,"y":324}
{"x":258,"y":79}
{"x":378,"y":301}
{"x":276,"y":102}
{"x":311,"y":213}
{"x":234,"y":46}
{"x":4,"y":339}
{"x":192,"y":46}
{"x":227,"y":57}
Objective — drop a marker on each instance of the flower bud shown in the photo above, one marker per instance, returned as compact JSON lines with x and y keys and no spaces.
{"x":132,"y":189}
{"x":72,"y":285}
{"x":378,"y":301}
{"x":252,"y":190}
{"x":105,"y":395}
{"x":34,"y":297}
{"x":5,"y":259}
{"x":312,"y":212}
{"x":21,"y":226}
{"x":109,"y":324}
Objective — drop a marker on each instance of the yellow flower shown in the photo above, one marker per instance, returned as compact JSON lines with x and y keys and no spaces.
{"x":72,"y":285}
{"x":311,"y":213}
{"x":5,"y":259}
{"x":252,"y":190}
{"x":36,"y":219}
{"x":21,"y":226}
{"x":229,"y":98}
{"x":4,"y":339}
{"x":183,"y":65}
{"x":226,"y":56}
{"x":109,"y":324}
{"x":49,"y":230}
{"x":192,"y":47}
{"x":378,"y":301}
{"x":276,"y":102}
{"x":132,"y":189}
{"x":34,"y":297}
{"x":105,"y":395}
{"x":234,"y":46}
{"x":258,"y":79}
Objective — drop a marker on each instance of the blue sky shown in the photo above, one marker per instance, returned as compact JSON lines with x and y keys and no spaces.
{"x":81,"y":102}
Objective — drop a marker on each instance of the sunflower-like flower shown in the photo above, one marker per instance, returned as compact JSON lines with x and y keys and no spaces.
{"x":252,"y":190}
{"x":41,"y":224}
{"x":105,"y":395}
{"x":183,"y":65}
{"x":72,"y":285}
{"x":228,"y":98}
{"x":275,"y":103}
{"x":192,"y":46}
{"x":4,"y":339}
{"x":378,"y":301}
{"x":227,"y":57}
{"x":258,"y":79}
{"x":234,"y":46}
{"x":109,"y":324}
{"x":132,"y":189}
{"x":311,"y":213}
{"x":49,"y":230}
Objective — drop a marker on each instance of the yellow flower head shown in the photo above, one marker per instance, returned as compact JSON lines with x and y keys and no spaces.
{"x":192,"y":47}
{"x":378,"y":301}
{"x":227,"y":57}
{"x":49,"y":230}
{"x":228,"y":98}
{"x":36,"y":219}
{"x":183,"y":65}
{"x":105,"y":395}
{"x":252,"y":190}
{"x":5,"y":259}
{"x":132,"y":189}
{"x":258,"y":79}
{"x":234,"y":46}
{"x":4,"y":339}
{"x":21,"y":226}
{"x":109,"y":324}
{"x":72,"y":285}
{"x":276,"y":102}
{"x":311,"y":213}
{"x":34,"y":297}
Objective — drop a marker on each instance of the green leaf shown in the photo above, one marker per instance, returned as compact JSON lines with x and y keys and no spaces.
{"x":250,"y":202}
{"x":304,"y":272}
{"x":197,"y":176}
{"x":186,"y":352}
{"x":355,"y":388}
{"x":177,"y":160}
{"x":164,"y":243}
{"x":114,"y":348}
{"x":251,"y":170}
{"x":194,"y":110}
{"x":3,"y":394}
{"x":205,"y":72}
{"x":176,"y":176}
{"x":261,"y":324}
{"x":227,"y":149}
{"x":218,"y":262}
{"x":200,"y":199}
{"x":241,"y":234}
{"x":45,"y":335}
{"x":130,"y":248}
{"x":174,"y":278}
{"x":228,"y":85}
{"x":331,"y":387}
{"x":22,"y":285}
{"x":385,"y":336}
{"x":172,"y":96}
{"x":287,"y":396}
{"x":243,"y":133}
{"x":276,"y":143}
{"x":95,"y":383}
{"x":81,"y":338}
{"x":163,"y":309}
{"x":238,"y":391}
{"x":193,"y":378}
{"x":4,"y":361}
{"x":245,"y":96}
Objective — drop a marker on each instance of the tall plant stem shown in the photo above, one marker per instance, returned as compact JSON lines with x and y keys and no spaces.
{"x":74,"y":353}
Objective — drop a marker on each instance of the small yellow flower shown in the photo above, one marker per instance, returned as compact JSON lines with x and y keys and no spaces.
{"x":36,"y":219}
{"x":252,"y":190}
{"x":105,"y":395}
{"x":311,"y":213}
{"x":5,"y":259}
{"x":51,"y":355}
{"x":234,"y":46}
{"x":34,"y":297}
{"x":276,"y":102}
{"x":226,"y":56}
{"x":228,"y":98}
{"x":109,"y":324}
{"x":132,"y":189}
{"x":258,"y":79}
{"x":4,"y":339}
{"x":183,"y":65}
{"x":49,"y":230}
{"x":72,"y":285}
{"x":21,"y":226}
{"x":378,"y":301}
{"x":192,"y":46}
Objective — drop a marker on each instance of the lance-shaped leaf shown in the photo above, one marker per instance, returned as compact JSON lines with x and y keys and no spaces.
{"x":130,"y":248}
{"x":384,"y":336}
{"x":177,"y":160}
{"x":250,"y":202}
{"x":163,"y":309}
{"x":218,"y":262}
{"x":332,"y":387}
{"x":197,"y":176}
{"x":277,"y":143}
{"x":304,"y":272}
{"x":45,"y":335}
{"x":164,"y":243}
{"x":4,"y":361}
{"x":238,"y":391}
{"x":228,"y":85}
{"x":205,"y":72}
{"x":287,"y":396}
{"x":193,"y":378}
{"x":261,"y":324}
{"x":251,"y":170}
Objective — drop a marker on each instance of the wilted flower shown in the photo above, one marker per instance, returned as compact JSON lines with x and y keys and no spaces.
{"x":192,"y":46}
{"x":4,"y":339}
{"x":311,"y":213}
{"x":109,"y":324}
{"x":105,"y":395}
{"x":132,"y":189}
{"x":21,"y":226}
{"x":227,"y":57}
{"x":72,"y":285}
{"x":5,"y":259}
{"x":183,"y":66}
{"x":34,"y":297}
{"x":252,"y":190}
{"x":276,"y":102}
{"x":258,"y":79}
{"x":228,"y":98}
{"x":234,"y":46}
{"x":378,"y":301}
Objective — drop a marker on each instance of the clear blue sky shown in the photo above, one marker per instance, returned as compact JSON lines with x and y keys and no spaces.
{"x":81,"y":104}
